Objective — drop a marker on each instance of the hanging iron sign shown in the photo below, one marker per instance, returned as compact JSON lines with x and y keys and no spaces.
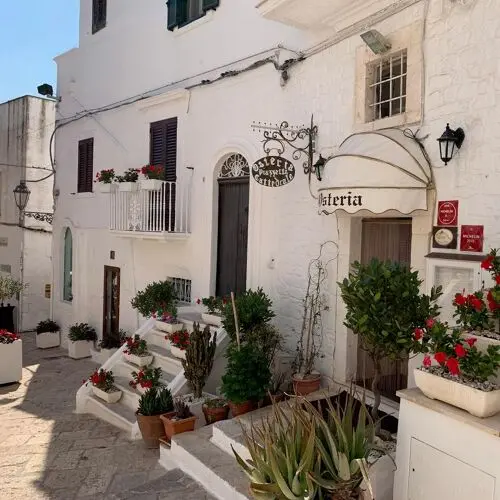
{"x":273,"y":171}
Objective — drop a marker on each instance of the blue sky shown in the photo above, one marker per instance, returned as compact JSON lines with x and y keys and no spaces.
{"x":32,"y":33}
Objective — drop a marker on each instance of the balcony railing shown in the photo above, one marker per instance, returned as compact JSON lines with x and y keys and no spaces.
{"x":160,"y":212}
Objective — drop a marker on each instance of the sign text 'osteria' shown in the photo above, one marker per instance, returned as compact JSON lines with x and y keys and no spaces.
{"x":273,"y":171}
{"x":349,"y":199}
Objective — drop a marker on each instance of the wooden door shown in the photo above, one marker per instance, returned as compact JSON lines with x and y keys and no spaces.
{"x":111,"y":306}
{"x":385,"y":239}
{"x":233,"y":235}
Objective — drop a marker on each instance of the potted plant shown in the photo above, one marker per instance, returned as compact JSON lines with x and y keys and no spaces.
{"x":182,"y":420}
{"x":80,"y":337}
{"x":462,"y":375}
{"x":215,"y":410}
{"x":136,"y":351}
{"x":9,"y":288}
{"x":146,"y":378}
{"x":246,"y":379}
{"x":159,"y":296}
{"x":275,"y":394}
{"x":166,"y":319}
{"x":154,"y":177}
{"x":178,"y":343}
{"x":103,"y":386}
{"x":11,"y":357}
{"x":112,"y":343}
{"x":384,"y":308}
{"x":47,"y":334}
{"x":105,"y":179}
{"x":215,"y":307}
{"x":154,"y":403}
{"x":128,"y":181}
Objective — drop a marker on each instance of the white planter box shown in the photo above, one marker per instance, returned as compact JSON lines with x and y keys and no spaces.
{"x":11,"y":362}
{"x":211,"y":319}
{"x":106,"y":188}
{"x":47,"y":340}
{"x":178,"y":353}
{"x":169,"y":327}
{"x":482,"y":345}
{"x":478,"y":403}
{"x":139,"y":360}
{"x":127,"y":186}
{"x":109,"y":397}
{"x":151,"y":184}
{"x":79,"y":349}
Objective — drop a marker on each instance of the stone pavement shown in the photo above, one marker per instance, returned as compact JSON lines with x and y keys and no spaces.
{"x":48,"y":452}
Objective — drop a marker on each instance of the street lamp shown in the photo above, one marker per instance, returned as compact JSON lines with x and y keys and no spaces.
{"x":450,"y":140}
{"x":21,"y":197}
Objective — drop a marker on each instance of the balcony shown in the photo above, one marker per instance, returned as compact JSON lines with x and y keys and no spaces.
{"x":163,"y":214}
{"x":323,"y":14}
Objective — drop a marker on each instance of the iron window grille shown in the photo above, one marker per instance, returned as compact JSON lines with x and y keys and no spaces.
{"x":388,"y":87}
{"x":234,"y":166}
{"x":182,"y":289}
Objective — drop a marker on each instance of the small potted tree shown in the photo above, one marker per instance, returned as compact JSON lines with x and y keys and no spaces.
{"x":9,"y":288}
{"x":182,"y":420}
{"x":145,"y":379}
{"x":137,"y":351}
{"x":47,"y":334}
{"x":105,"y":180}
{"x":81,"y":336}
{"x":157,"y":298}
{"x":103,"y":386}
{"x":154,"y":176}
{"x":246,"y":379}
{"x":215,"y":309}
{"x":179,"y":341}
{"x":11,"y":357}
{"x":128,"y":181}
{"x":215,"y":410}
{"x":166,"y":319}
{"x":154,"y":403}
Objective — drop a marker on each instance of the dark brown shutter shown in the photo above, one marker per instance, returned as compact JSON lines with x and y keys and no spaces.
{"x":210,"y":4}
{"x":85,"y":165}
{"x":99,"y":8}
{"x":172,"y":14}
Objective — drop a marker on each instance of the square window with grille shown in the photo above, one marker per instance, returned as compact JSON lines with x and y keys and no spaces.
{"x":387,"y":86}
{"x":182,"y":288}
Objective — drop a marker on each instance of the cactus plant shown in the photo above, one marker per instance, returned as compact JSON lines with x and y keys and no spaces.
{"x":200,"y":354}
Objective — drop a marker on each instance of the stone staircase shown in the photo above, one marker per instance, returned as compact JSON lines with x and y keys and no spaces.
{"x":122,"y":414}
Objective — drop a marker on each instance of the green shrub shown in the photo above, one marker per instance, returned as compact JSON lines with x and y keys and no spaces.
{"x":47,"y":326}
{"x":157,"y":296}
{"x":82,"y":331}
{"x":156,"y":401}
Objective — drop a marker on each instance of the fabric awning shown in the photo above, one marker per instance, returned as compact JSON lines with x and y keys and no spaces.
{"x":376,"y":171}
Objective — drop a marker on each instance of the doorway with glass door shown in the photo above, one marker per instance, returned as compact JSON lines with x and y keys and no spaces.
{"x":111,"y":307}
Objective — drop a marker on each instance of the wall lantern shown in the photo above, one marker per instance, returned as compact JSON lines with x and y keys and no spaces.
{"x":449,"y":142}
{"x":21,"y":196}
{"x":319,"y":167}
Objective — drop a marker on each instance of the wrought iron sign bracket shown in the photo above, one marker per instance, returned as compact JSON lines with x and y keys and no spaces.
{"x":301,"y":140}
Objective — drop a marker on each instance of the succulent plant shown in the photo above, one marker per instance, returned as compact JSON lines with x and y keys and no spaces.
{"x":155,"y":401}
{"x":182,"y":410}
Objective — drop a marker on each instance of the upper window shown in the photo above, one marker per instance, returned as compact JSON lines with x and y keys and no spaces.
{"x":68,"y":266}
{"x":85,"y":165}
{"x":182,"y":12}
{"x":98,"y":15}
{"x":388,"y":87}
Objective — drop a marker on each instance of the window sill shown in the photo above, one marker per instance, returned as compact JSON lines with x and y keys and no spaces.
{"x":390,"y":122}
{"x":67,"y":302}
{"x":181,"y":30}
{"x":84,"y":195}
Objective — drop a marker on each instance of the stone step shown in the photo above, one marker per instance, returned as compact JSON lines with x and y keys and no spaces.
{"x":197,"y":456}
{"x":164,"y":359}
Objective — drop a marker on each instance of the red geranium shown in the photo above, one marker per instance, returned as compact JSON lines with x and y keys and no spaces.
{"x":179,"y":339}
{"x":7,"y":337}
{"x":440,"y":357}
{"x":471,"y":341}
{"x":418,"y":333}
{"x":102,"y":379}
{"x":460,"y":351}
{"x":153,"y":171}
{"x":488,"y":262}
{"x":429,"y":322}
{"x":427,"y":361}
{"x":453,"y":366}
{"x":460,"y":300}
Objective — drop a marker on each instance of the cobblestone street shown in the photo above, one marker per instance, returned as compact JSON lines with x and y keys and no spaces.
{"x":48,"y":452}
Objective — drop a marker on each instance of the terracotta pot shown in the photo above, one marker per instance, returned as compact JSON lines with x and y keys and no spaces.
{"x":173,"y":427}
{"x":213,"y":415}
{"x":241,"y":408}
{"x":274,"y":398}
{"x":152,"y":430}
{"x":305,"y":386}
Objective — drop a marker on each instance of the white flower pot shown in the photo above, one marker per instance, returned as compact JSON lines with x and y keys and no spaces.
{"x":79,"y":349}
{"x":211,"y":319}
{"x":47,"y":340}
{"x":151,"y":184}
{"x":169,"y":327}
{"x":138,"y":360}
{"x":106,"y":187}
{"x":478,"y":403}
{"x":11,"y":362}
{"x":178,"y":353}
{"x":109,"y":397}
{"x":107,"y":353}
{"x":127,"y":186}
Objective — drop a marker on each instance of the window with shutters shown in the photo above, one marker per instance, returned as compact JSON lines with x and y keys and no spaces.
{"x":85,"y":165}
{"x":98,"y":15}
{"x":182,"y":12}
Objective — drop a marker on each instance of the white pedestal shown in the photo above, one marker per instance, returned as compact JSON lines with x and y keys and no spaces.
{"x":11,"y":362}
{"x":79,"y":349}
{"x":445,"y":453}
{"x":47,"y":340}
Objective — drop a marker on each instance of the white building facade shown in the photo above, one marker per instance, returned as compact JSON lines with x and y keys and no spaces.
{"x":26,"y":127}
{"x":182,"y":88}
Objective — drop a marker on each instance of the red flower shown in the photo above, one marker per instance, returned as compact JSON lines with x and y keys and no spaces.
{"x":427,"y":361}
{"x":198,"y":301}
{"x":430,"y":322}
{"x":476,"y":303}
{"x":440,"y":357}
{"x":460,"y":300}
{"x":471,"y":341}
{"x":453,"y":366}
{"x":418,"y":333}
{"x":460,"y":351}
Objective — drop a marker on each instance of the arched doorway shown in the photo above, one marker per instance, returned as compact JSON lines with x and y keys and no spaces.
{"x":232,"y":241}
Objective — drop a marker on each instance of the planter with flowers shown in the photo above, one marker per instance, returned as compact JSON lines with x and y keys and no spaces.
{"x":145,"y":379}
{"x":105,"y":180}
{"x":81,"y":337}
{"x":11,"y":357}
{"x":47,"y":334}
{"x":166,"y":319}
{"x":136,"y":351}
{"x":215,"y":307}
{"x":103,"y":386}
{"x":215,"y":410}
{"x":178,"y":343}
{"x":182,"y":420}
{"x":456,"y":372}
{"x":154,"y":177}
{"x":128,"y":181}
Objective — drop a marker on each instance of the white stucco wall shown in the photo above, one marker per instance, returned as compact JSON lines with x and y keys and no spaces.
{"x":459,"y":57}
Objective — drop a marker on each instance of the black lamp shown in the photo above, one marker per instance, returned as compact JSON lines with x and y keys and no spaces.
{"x":319,"y":167}
{"x":21,"y":195}
{"x":449,"y":142}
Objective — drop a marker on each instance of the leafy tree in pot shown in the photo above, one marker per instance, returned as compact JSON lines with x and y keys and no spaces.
{"x":158,"y":295}
{"x":384,"y":307}
{"x":82,"y":331}
{"x":47,"y":326}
